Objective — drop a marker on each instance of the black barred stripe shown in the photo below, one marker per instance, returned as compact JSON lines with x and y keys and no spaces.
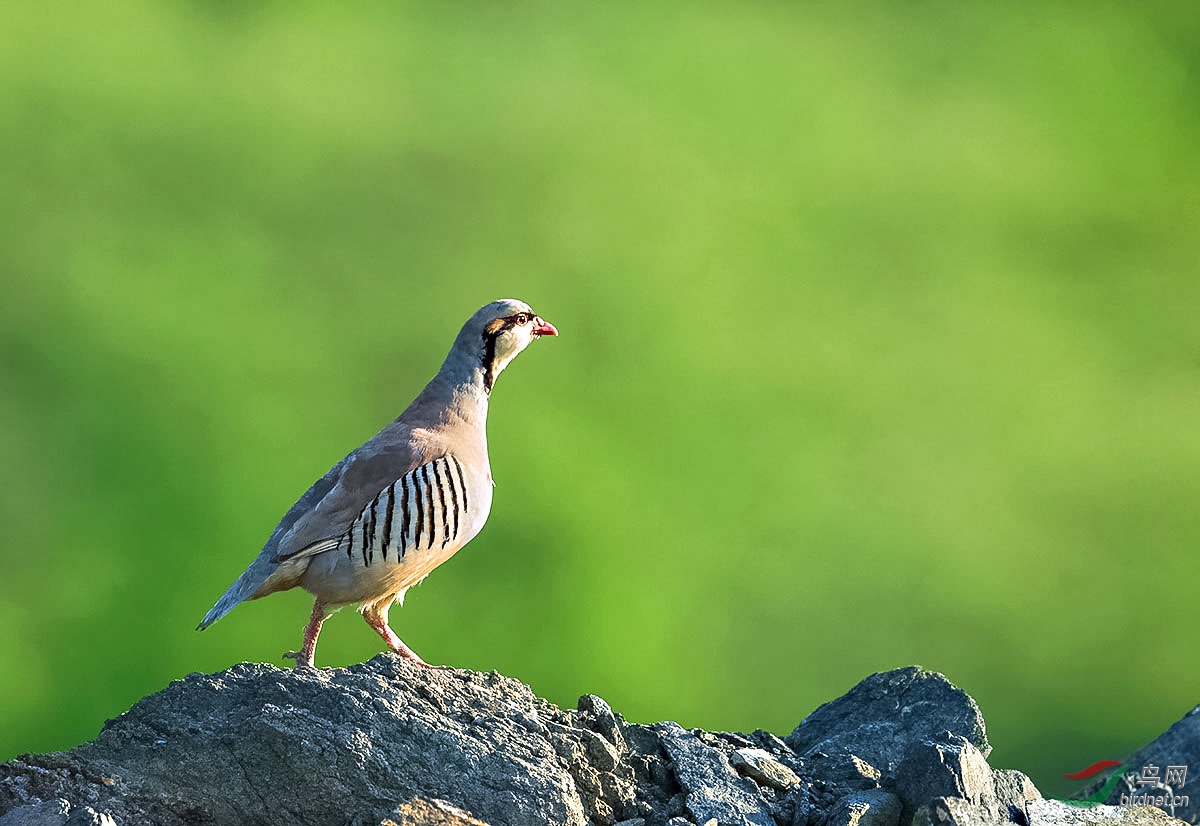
{"x":387,"y":519}
{"x":374,"y":517}
{"x":428,"y":487}
{"x":374,"y":524}
{"x":462,"y":483}
{"x":450,"y":509}
{"x":417,"y":498}
{"x":362,"y":523}
{"x":453,"y":495}
{"x":419,"y":504}
{"x":441,"y":490}
{"x":402,"y":545}
{"x":432,"y":497}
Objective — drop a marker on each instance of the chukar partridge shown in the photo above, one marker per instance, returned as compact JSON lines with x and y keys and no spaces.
{"x":402,"y":503}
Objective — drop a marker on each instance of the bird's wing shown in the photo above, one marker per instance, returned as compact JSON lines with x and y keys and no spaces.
{"x":427,"y":508}
{"x":324,"y":511}
{"x":362,"y":475}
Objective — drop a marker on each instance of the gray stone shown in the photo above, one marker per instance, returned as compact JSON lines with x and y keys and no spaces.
{"x":833,"y":776}
{"x":958,"y":812}
{"x":45,"y":813}
{"x":601,"y":719}
{"x":796,"y":806}
{"x":763,"y":769}
{"x":87,"y":816}
{"x":881,"y":717}
{"x":1013,"y":789}
{"x":1058,"y":813}
{"x":769,"y":742}
{"x":1177,"y":746}
{"x":603,"y":779}
{"x":56,"y":812}
{"x":949,"y":768}
{"x":958,"y":773}
{"x":258,"y":744}
{"x":873,"y":807}
{"x":422,"y":812}
{"x":714,"y":790}
{"x":954,"y":811}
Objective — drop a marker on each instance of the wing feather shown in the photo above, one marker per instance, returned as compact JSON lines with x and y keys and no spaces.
{"x":332,"y":502}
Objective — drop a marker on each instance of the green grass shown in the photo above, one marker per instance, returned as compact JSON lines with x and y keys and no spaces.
{"x":879,"y":346}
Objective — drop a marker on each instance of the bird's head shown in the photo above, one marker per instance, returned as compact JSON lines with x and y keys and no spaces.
{"x":497,"y":332}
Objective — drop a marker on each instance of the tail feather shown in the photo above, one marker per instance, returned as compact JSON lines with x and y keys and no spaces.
{"x":261,"y":578}
{"x":270,"y":572}
{"x":228,"y":601}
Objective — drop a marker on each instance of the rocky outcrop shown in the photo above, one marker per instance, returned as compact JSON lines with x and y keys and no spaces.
{"x":385,"y":742}
{"x":1178,"y":746}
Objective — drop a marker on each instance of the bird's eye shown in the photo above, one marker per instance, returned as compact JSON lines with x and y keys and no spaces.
{"x":521,"y":318}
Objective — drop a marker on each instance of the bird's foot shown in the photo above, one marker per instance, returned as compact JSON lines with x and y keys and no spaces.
{"x":412,"y":656}
{"x":430,"y":666}
{"x":301,"y":660}
{"x":398,"y":646}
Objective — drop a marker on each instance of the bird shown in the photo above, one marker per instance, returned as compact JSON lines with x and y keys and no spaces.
{"x":404,"y":501}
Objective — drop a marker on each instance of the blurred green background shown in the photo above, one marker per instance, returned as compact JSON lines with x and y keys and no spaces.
{"x":879,"y":346}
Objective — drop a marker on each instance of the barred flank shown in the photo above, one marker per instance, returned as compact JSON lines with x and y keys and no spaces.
{"x":429,"y":511}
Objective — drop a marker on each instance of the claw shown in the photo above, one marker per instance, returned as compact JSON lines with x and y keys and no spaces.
{"x":300,"y":660}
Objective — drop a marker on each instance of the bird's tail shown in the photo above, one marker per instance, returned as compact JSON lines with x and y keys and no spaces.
{"x":224,"y":605}
{"x":253,"y":583}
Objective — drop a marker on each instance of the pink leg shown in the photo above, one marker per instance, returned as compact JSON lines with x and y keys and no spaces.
{"x":304,"y":657}
{"x":378,"y":621}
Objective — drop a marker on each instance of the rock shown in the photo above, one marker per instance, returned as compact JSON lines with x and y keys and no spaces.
{"x":954,"y":811}
{"x":796,"y":807}
{"x":769,"y":742}
{"x":603,"y":779}
{"x":421,"y":812}
{"x":881,"y":717}
{"x":1012,"y":790}
{"x":873,"y":807}
{"x":256,"y":744}
{"x":763,"y":769}
{"x":945,"y":768}
{"x":714,"y":790}
{"x":260,"y":744}
{"x":1058,"y":813}
{"x":971,"y":804}
{"x":601,"y":719}
{"x":46,"y":813}
{"x":1177,"y":746}
{"x":843,"y":773}
{"x":944,"y":811}
{"x":832,"y":777}
{"x":56,"y":813}
{"x":87,"y":816}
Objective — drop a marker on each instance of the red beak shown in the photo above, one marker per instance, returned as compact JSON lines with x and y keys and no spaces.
{"x":543,"y":328}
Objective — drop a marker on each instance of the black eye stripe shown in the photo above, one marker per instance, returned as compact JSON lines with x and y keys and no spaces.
{"x":492,"y":332}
